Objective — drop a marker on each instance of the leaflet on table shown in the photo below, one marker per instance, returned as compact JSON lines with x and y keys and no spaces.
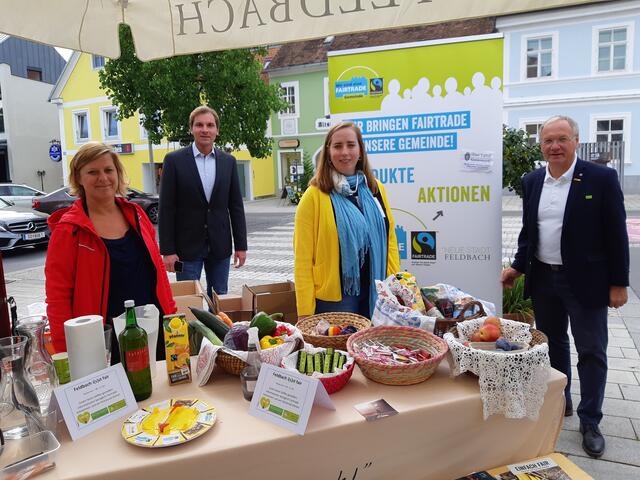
{"x":285,"y":397}
{"x":92,"y":402}
{"x":553,"y":466}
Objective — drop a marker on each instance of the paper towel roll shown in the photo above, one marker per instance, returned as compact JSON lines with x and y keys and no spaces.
{"x":85,"y":345}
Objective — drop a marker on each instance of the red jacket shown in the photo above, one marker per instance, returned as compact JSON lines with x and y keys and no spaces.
{"x":77,"y":267}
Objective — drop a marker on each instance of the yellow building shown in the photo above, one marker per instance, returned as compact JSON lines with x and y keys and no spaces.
{"x":85,"y":113}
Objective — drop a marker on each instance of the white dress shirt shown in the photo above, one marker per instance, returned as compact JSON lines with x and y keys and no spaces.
{"x":206,"y":168}
{"x":553,"y":200}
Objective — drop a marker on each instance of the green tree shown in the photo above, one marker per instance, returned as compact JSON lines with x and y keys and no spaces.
{"x":519,"y":157}
{"x":166,"y":91}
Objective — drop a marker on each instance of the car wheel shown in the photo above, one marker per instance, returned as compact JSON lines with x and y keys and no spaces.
{"x":152,"y":213}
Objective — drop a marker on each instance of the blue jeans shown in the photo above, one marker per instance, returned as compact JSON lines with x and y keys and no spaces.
{"x":215,"y":270}
{"x":555,"y":306}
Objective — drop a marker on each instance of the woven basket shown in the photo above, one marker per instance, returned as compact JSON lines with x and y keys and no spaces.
{"x":443,"y":325}
{"x":537,"y":337}
{"x":229,"y":363}
{"x":339,"y":319}
{"x":397,"y":374}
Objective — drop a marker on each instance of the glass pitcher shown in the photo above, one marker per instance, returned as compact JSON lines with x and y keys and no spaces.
{"x":18,"y":399}
{"x":38,"y":363}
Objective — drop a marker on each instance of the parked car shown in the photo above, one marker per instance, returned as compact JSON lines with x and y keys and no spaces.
{"x":21,"y":227}
{"x":20,"y":195}
{"x":62,"y":198}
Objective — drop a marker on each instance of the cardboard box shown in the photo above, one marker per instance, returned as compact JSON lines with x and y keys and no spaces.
{"x":239,"y":308}
{"x":272,"y":298}
{"x":189,"y":293}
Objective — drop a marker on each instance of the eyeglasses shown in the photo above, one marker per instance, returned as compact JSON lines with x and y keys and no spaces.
{"x":560,"y":141}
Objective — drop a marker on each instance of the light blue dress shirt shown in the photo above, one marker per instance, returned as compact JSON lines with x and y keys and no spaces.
{"x":206,"y":168}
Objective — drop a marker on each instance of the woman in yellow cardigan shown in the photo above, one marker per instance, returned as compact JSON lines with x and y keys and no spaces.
{"x":344,"y":237}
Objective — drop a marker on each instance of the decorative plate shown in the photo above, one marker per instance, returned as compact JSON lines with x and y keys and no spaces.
{"x":170,"y":422}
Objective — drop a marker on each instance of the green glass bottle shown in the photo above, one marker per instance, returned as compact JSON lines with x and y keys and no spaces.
{"x":134,"y":354}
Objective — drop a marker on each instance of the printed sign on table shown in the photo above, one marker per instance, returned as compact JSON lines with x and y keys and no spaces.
{"x":91,"y":402}
{"x":285,"y":397}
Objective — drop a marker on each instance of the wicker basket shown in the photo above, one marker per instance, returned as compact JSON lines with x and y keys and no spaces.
{"x":397,"y":374}
{"x":443,"y":325}
{"x":339,"y":319}
{"x":230,"y":363}
{"x":537,"y":337}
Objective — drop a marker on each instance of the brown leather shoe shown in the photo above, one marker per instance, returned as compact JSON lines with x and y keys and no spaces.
{"x":592,"y":440}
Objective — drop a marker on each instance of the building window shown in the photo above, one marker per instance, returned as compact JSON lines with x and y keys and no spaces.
{"x":539,"y":57}
{"x":1,"y":121}
{"x":290,"y":95}
{"x":612,"y":49}
{"x":97,"y":61}
{"x":533,"y":130}
{"x":110,"y":123}
{"x":610,"y":130}
{"x":34,"y":74}
{"x":81,"y":126}
{"x":144,"y":135}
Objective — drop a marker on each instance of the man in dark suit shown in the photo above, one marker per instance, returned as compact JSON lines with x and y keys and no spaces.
{"x":201,"y":207}
{"x":574,"y":250}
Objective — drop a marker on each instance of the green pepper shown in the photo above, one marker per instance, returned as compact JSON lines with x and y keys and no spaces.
{"x":265,"y":324}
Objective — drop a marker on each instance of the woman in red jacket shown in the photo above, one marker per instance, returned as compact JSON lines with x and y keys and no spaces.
{"x":102,"y":249}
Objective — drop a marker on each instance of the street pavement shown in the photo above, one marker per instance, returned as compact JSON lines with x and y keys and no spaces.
{"x":270,"y":259}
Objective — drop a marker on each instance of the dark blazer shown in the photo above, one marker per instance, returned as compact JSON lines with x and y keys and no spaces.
{"x":594,"y":241}
{"x":186,"y":221}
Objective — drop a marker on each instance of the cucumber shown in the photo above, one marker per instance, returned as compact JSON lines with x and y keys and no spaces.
{"x":205,"y":331}
{"x":343,"y":360}
{"x":309,"y":364}
{"x":302,"y":361}
{"x":317,"y":365}
{"x":336,"y":358}
{"x":211,"y":321}
{"x":328,"y":361}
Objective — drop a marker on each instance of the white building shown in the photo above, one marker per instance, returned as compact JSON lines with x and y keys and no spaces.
{"x":28,"y":122}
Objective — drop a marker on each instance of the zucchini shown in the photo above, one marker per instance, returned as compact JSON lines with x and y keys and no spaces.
{"x":309,"y":364}
{"x":211,"y":321}
{"x":302,"y":361}
{"x":205,"y":331}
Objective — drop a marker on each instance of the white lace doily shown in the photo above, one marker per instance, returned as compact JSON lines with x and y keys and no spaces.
{"x":512,"y":384}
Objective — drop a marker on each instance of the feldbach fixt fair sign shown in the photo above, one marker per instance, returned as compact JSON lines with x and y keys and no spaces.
{"x":432,"y":128}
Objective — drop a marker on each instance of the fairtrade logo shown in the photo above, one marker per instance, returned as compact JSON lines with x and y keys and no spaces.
{"x":376,"y":86}
{"x":423,"y":245}
{"x":355,"y":87}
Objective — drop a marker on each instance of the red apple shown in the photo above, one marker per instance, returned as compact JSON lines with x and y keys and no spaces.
{"x":476,"y":337}
{"x":493,"y":321}
{"x":489,"y":333}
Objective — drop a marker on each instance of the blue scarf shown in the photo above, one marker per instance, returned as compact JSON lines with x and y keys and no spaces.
{"x":359,"y":233}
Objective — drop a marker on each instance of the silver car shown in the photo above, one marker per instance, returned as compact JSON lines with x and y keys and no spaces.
{"x":21,"y":227}
{"x":20,"y":195}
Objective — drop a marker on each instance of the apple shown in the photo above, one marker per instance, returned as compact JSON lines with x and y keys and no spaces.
{"x":489,"y":333}
{"x":476,"y":337}
{"x":492,"y":320}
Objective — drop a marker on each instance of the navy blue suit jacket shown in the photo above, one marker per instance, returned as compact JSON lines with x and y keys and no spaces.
{"x":594,"y":241}
{"x":187,"y":222}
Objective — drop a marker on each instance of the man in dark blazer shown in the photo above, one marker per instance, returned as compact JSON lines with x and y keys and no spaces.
{"x":201,"y":207}
{"x":574,"y":251}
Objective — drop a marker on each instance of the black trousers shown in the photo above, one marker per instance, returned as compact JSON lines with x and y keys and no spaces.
{"x":555,"y":307}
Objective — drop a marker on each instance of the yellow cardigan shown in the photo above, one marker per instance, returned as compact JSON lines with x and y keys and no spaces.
{"x":317,"y":252}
